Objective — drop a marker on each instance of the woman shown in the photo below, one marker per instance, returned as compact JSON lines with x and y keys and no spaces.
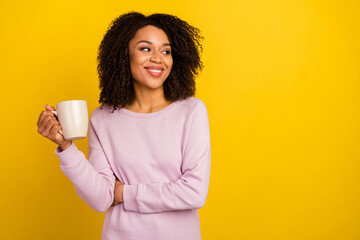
{"x":149,"y":142}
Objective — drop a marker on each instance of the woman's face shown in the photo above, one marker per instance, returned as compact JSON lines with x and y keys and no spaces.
{"x":150,"y":58}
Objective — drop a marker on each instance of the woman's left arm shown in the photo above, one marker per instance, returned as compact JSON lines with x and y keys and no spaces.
{"x":190,"y":190}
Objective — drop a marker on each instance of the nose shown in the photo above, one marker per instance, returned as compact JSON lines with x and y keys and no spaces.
{"x":155,"y":57}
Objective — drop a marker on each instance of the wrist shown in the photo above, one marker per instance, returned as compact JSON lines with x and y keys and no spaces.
{"x":118,"y":192}
{"x":65,"y":145}
{"x":122,"y":193}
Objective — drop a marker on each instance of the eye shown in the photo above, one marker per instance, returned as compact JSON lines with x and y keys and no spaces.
{"x":145,"y":49}
{"x":167,"y":52}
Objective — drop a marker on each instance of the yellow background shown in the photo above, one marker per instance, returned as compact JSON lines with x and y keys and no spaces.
{"x":282,"y":87}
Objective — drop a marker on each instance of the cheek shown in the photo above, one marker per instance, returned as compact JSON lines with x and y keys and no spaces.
{"x":170,"y":66}
{"x":135,"y":71}
{"x":169,"y":63}
{"x":136,"y":63}
{"x":137,"y":60}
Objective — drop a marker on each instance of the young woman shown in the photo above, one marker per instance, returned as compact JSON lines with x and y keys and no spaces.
{"x":149,"y":142}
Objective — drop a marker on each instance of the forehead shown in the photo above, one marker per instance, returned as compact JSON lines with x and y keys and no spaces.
{"x":150,"y":33}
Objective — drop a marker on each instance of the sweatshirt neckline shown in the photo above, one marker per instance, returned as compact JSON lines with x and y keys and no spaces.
{"x":148,"y":115}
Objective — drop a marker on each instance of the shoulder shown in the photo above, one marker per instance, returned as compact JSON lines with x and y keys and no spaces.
{"x":192,"y":104}
{"x":99,"y":114}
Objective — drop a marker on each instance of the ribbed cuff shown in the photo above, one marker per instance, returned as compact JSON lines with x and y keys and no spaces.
{"x":129,"y":195}
{"x":67,"y":157}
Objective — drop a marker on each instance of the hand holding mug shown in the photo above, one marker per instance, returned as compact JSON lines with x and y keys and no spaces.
{"x":70,"y":122}
{"x":49,"y":127}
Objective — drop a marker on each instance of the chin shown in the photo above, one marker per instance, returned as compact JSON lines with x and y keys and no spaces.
{"x":154,"y":84}
{"x":155,"y":87}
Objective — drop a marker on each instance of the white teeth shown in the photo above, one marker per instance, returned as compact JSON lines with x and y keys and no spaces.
{"x":154,"y":70}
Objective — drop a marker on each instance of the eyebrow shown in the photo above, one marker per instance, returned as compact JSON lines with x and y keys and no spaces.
{"x":149,"y":42}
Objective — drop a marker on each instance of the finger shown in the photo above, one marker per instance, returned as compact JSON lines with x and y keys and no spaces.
{"x":49,"y":108}
{"x":45,"y":113}
{"x":42,"y":116}
{"x":55,"y":135}
{"x":50,"y":124}
{"x":47,"y":124}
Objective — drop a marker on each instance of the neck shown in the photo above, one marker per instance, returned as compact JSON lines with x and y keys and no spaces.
{"x":148,"y":101}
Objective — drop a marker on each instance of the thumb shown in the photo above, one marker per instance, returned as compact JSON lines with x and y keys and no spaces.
{"x":49,"y":108}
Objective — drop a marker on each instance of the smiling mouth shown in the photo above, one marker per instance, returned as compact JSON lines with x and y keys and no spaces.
{"x":154,"y":71}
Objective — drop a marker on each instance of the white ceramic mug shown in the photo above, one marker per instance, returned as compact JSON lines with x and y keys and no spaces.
{"x":73,"y":118}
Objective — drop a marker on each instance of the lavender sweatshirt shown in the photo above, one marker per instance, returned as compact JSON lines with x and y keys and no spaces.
{"x":163,"y":159}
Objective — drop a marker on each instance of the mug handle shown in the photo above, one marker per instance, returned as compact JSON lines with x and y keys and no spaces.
{"x":55,"y":112}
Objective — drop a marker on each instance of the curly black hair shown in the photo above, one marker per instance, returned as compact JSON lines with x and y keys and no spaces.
{"x":113,"y":58}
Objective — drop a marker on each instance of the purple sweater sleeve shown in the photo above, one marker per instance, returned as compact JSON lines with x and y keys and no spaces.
{"x":190,"y":190}
{"x":94,"y":179}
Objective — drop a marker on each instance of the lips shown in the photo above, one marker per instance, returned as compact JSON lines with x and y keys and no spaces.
{"x":154,"y":70}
